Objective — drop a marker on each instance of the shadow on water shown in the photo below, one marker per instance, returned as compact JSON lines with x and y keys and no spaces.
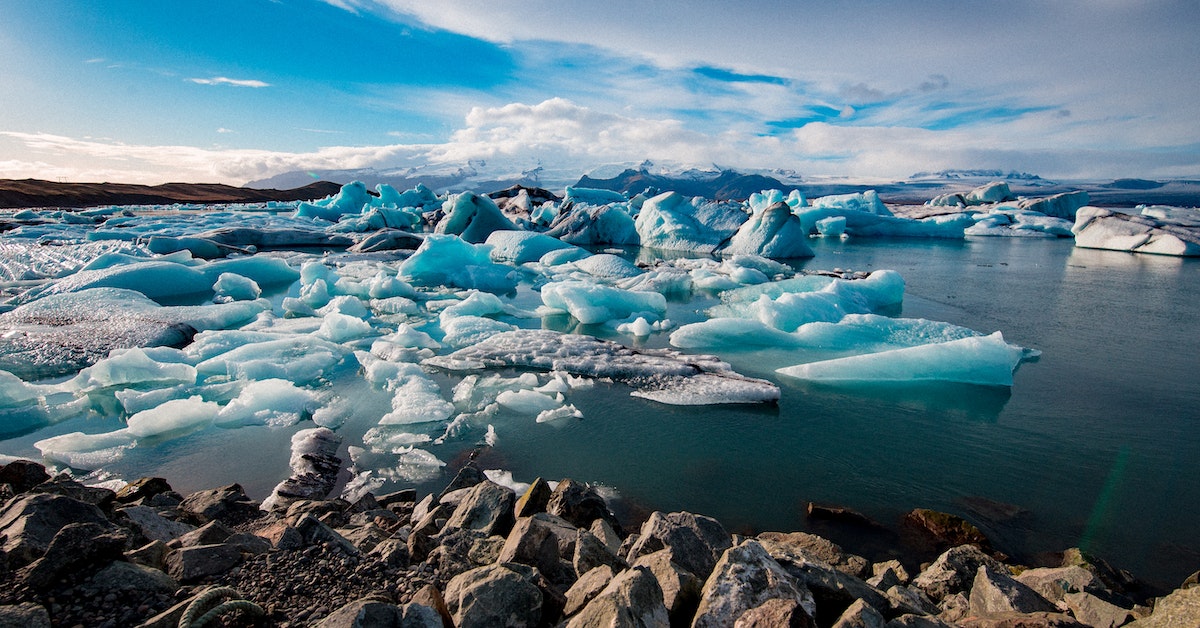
{"x":965,"y":402}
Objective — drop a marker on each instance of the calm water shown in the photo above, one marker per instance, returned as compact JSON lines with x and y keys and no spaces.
{"x":1096,"y":446}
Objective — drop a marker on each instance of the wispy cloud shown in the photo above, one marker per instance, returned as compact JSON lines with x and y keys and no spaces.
{"x":224,"y":80}
{"x":224,"y":130}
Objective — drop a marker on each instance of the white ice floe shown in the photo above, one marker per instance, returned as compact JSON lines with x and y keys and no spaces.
{"x":592,"y":303}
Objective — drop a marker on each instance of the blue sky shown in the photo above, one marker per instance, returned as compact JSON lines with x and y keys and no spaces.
{"x":237,"y":90}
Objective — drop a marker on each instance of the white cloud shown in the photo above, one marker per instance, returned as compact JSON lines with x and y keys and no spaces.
{"x":224,"y":80}
{"x":224,"y":130}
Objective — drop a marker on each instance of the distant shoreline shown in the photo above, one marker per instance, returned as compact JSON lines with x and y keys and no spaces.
{"x":37,"y":193}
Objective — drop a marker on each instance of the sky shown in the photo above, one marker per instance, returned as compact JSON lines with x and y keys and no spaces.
{"x":234,"y":91}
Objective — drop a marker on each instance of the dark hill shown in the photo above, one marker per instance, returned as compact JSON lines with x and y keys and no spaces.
{"x":728,"y":185}
{"x":37,"y":193}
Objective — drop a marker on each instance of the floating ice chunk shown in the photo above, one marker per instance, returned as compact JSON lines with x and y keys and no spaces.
{"x":334,"y":413}
{"x":390,"y":439}
{"x":707,"y":279}
{"x":134,"y":401}
{"x":394,"y":306}
{"x":467,"y":330}
{"x":865,"y":202}
{"x":450,"y":260}
{"x":385,"y":286}
{"x":476,"y":304}
{"x":593,"y":196}
{"x":1097,"y":228}
{"x":231,"y":287}
{"x":407,"y":466}
{"x":315,"y":467}
{"x":671,"y":221}
{"x":527,"y":401}
{"x":273,"y":402}
{"x":87,"y":451}
{"x":473,"y":217}
{"x":419,"y":196}
{"x":593,"y":303}
{"x":130,"y":367}
{"x":405,"y":342}
{"x":505,"y":479}
{"x":586,"y":225}
{"x":520,"y":247}
{"x":832,"y":227}
{"x":311,"y":272}
{"x":608,"y":266}
{"x":299,"y":359}
{"x":340,"y":328}
{"x":417,"y":400}
{"x":155,"y":279}
{"x":1019,"y":223}
{"x":1058,"y":205}
{"x":774,"y":232}
{"x":15,"y":392}
{"x":174,"y":417}
{"x":664,"y":280}
{"x":351,"y":199}
{"x":347,"y":305}
{"x":563,"y":256}
{"x":994,"y":192}
{"x":639,"y":327}
{"x":982,"y":360}
{"x":1181,"y":216}
{"x":662,"y":374}
{"x":731,"y":333}
{"x":568,"y":411}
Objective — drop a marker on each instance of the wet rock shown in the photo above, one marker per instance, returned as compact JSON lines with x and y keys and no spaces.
{"x":29,"y":522}
{"x":1177,"y":610}
{"x":190,"y":564}
{"x":123,"y":576}
{"x":487,"y":507}
{"x":586,"y":588}
{"x":228,"y":503}
{"x":744,"y":578}
{"x":23,"y":475}
{"x":680,"y":587}
{"x":954,"y":571}
{"x":579,"y":504}
{"x":860,"y":615}
{"x":1094,"y":611}
{"x":945,"y":529}
{"x":142,"y":488}
{"x":26,"y":615}
{"x":632,"y":598}
{"x":77,"y":546}
{"x":534,"y":499}
{"x":838,"y":514}
{"x":995,"y":591}
{"x":494,"y":595}
{"x":695,"y":541}
{"x":149,"y":524}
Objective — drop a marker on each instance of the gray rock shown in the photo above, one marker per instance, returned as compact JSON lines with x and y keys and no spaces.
{"x":1021,"y":620}
{"x":152,"y":526}
{"x":366,"y":613}
{"x":247,"y":543}
{"x":744,"y":578}
{"x":142,"y":488}
{"x":468,"y":476}
{"x":884,"y":580}
{"x":833,"y":590}
{"x":680,"y":587}
{"x":563,"y":531}
{"x":152,"y":554}
{"x":775,"y":613}
{"x":532,"y":542}
{"x":189,"y":564}
{"x":123,"y":576}
{"x":313,"y":531}
{"x":461,"y":550}
{"x":995,"y":591}
{"x":414,"y":615}
{"x":23,"y":475}
{"x":534,"y":499}
{"x":824,"y":550}
{"x":586,"y":588}
{"x":895,"y":566}
{"x":1093,"y":611}
{"x":64,"y":484}
{"x":26,"y":615}
{"x":954,"y":607}
{"x":603,"y":531}
{"x":632,"y":599}
{"x":1177,"y":610}
{"x":29,"y":522}
{"x":917,"y":621}
{"x":1053,"y":583}
{"x":228,"y":503}
{"x":579,"y":504}
{"x":210,"y":533}
{"x":591,"y":552}
{"x":365,"y":538}
{"x":860,"y":615}
{"x":392,"y":552}
{"x":912,"y":597}
{"x":487,"y":507}
{"x":422,"y":508}
{"x":74,"y":548}
{"x":954,"y":571}
{"x":695,"y":541}
{"x":1116,"y":580}
{"x":494,"y":595}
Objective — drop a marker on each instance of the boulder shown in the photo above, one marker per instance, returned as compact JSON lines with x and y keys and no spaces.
{"x":586,"y":588}
{"x":1116,"y":580}
{"x":494,"y":595}
{"x":429,"y":596}
{"x":1097,"y":612}
{"x":459,"y":550}
{"x":911,"y":597}
{"x":695,"y":541}
{"x":591,"y":552}
{"x":25,"y":615}
{"x":228,"y":503}
{"x":1097,"y":228}
{"x":468,"y":476}
{"x":190,"y":564}
{"x":1021,"y":620}
{"x":1054,"y":583}
{"x":487,"y":507}
{"x":954,"y":571}
{"x":392,"y":552}
{"x":860,"y":615}
{"x":917,"y":621}
{"x":141,"y":489}
{"x":1177,"y":610}
{"x":603,"y":531}
{"x":775,"y":613}
{"x":75,"y":548}
{"x":365,"y":613}
{"x":680,"y":587}
{"x":23,"y":475}
{"x":632,"y":598}
{"x":123,"y":576}
{"x":313,"y":531}
{"x":995,"y":591}
{"x":152,"y":526}
{"x":945,"y":529}
{"x":579,"y":504}
{"x":532,"y":542}
{"x":152,"y":554}
{"x":63,"y":484}
{"x":824,"y":550}
{"x":744,"y":578}
{"x":29,"y":522}
{"x":208,"y":534}
{"x":833,"y":590}
{"x":534,"y":499}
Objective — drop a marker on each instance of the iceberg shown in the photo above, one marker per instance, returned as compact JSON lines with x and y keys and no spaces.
{"x":671,"y":221}
{"x":299,"y":359}
{"x":520,"y":247}
{"x":450,"y":260}
{"x":775,"y":233}
{"x":351,"y":199}
{"x":589,"y":225}
{"x":1097,"y":228}
{"x":173,"y":417}
{"x":981,"y":360}
{"x":472,"y":217}
{"x":592,"y":303}
{"x":661,"y":375}
{"x":233,"y":287}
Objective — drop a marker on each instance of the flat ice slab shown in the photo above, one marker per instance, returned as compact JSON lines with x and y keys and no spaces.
{"x":661,"y":375}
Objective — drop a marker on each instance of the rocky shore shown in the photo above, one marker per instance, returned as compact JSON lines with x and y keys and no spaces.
{"x":478,"y":554}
